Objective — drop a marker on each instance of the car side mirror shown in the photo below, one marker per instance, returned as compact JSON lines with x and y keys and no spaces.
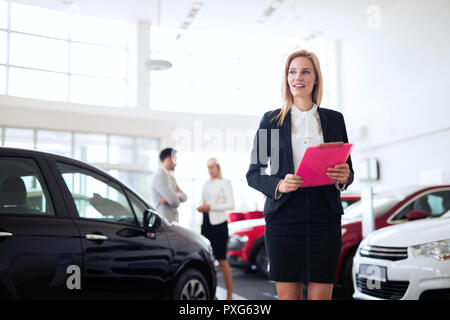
{"x":416,"y":214}
{"x":151,"y":222}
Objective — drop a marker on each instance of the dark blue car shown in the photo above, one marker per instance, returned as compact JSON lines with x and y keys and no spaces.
{"x":69,"y":230}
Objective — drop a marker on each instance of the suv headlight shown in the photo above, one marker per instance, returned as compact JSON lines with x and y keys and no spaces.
{"x":439,"y":250}
{"x":237,"y":242}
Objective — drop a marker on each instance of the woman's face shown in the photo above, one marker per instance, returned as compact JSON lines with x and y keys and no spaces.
{"x":301,"y":77}
{"x":213,"y":170}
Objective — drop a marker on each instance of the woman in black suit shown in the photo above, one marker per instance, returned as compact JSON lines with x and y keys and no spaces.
{"x":303,"y":225}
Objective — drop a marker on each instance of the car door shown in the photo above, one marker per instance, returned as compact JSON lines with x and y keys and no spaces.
{"x":38,"y":241}
{"x":119,"y":259}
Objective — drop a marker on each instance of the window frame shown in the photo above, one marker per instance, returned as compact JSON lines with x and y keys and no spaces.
{"x":48,"y":186}
{"x":129,"y":193}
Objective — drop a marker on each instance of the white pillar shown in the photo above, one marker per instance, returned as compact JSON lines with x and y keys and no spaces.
{"x":368,"y":217}
{"x":143,"y":74}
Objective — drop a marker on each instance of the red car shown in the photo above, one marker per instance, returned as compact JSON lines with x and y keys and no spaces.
{"x":246,"y":245}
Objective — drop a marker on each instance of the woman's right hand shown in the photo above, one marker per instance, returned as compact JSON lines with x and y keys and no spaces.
{"x":291,"y":182}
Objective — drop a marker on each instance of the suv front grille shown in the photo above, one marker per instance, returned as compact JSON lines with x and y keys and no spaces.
{"x":386,"y":253}
{"x":387,"y":290}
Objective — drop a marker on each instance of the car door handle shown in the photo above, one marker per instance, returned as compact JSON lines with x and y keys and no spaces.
{"x":96,"y":237}
{"x":5,"y":234}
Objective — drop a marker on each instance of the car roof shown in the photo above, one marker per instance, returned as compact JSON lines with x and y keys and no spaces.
{"x":32,"y":152}
{"x":407,"y":190}
{"x":53,"y":156}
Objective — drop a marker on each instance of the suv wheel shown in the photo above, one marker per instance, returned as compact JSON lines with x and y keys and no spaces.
{"x":191,"y":285}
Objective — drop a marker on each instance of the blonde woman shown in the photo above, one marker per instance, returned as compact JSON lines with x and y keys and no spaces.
{"x":303,"y":225}
{"x":217,"y":197}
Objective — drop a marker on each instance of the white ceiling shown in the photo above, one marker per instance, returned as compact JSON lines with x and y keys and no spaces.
{"x":333,"y":19}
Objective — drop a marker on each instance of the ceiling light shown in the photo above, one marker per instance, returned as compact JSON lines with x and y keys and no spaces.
{"x":269,"y":11}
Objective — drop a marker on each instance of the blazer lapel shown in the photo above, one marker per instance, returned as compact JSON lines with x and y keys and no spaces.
{"x":286,"y":134}
{"x":324,"y":124}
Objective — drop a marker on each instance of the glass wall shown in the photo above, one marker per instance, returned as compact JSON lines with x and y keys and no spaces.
{"x":55,"y":55}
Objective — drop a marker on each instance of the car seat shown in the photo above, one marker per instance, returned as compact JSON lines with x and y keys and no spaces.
{"x":13,"y":196}
{"x":422,"y":204}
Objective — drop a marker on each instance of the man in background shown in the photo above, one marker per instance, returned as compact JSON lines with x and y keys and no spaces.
{"x":165,"y":194}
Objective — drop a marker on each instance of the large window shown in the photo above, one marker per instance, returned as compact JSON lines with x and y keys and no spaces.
{"x":53,"y":55}
{"x":229,"y":73}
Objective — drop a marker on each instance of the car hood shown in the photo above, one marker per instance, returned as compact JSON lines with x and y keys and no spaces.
{"x":411,"y":233}
{"x":244,"y":225}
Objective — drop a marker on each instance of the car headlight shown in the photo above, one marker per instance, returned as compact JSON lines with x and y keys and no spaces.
{"x":237,"y":242}
{"x":210,"y":252}
{"x":439,"y":250}
{"x":343,"y":231}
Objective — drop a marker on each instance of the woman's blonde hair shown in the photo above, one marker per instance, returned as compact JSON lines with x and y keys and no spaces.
{"x":286,"y":91}
{"x":216,"y":163}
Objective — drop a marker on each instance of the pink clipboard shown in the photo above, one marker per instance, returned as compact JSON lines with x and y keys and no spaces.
{"x":316,"y":160}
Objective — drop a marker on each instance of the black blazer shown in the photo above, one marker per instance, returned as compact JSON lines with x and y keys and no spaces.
{"x":333,"y":127}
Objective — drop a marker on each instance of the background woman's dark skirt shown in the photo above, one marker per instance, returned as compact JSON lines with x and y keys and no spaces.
{"x":217,"y":235}
{"x":303,"y":239}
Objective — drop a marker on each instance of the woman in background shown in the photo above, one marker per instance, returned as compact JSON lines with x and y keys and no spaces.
{"x":217,"y":197}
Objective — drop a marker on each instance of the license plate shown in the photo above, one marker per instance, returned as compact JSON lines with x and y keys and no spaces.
{"x":372,"y":272}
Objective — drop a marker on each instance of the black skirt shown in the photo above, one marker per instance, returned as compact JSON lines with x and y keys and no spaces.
{"x":303,"y":238}
{"x":217,"y":235}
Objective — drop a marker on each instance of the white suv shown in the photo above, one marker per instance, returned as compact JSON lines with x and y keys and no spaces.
{"x":408,"y":261}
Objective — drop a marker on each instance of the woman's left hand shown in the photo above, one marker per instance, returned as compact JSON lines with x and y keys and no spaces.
{"x":339,"y":172}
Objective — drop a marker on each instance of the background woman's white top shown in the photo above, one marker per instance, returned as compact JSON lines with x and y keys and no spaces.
{"x":306,"y":131}
{"x":218,"y":193}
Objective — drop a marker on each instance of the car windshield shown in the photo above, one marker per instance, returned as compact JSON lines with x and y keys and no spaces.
{"x":382,"y":203}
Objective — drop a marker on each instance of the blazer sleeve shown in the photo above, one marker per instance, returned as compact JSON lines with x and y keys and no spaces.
{"x":349,"y":160}
{"x":257,"y":177}
{"x":182,"y":197}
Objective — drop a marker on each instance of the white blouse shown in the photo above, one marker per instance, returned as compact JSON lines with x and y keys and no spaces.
{"x":218,"y":193}
{"x":306,"y":131}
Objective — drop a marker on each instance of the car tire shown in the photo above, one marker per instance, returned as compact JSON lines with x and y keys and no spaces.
{"x":262,"y":261}
{"x":191,"y":285}
{"x":347,"y":279}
